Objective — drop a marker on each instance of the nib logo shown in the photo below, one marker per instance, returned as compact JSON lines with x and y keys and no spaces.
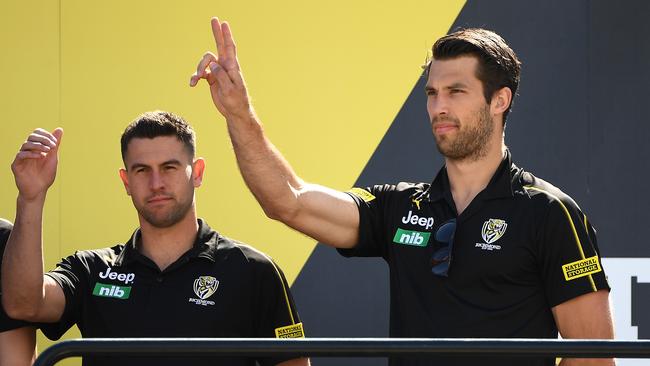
{"x":118,"y":292}
{"x":408,"y":237}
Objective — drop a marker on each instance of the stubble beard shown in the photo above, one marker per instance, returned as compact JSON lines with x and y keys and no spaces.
{"x":471,"y":143}
{"x":172,"y":216}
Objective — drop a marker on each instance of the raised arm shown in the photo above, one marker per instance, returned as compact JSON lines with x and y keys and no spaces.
{"x":326,"y":215}
{"x":26,"y":293}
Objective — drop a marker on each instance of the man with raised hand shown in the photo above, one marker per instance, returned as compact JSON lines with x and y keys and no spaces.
{"x":486,"y":250}
{"x":174,"y":277}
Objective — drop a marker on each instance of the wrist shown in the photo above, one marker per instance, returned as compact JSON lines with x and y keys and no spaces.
{"x":34,"y":200}
{"x":242,"y":110}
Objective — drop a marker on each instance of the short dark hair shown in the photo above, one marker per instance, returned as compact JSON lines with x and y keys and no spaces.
{"x":159,"y":123}
{"x":498,"y":63}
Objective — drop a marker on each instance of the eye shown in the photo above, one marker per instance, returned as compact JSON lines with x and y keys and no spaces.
{"x":170,"y":167}
{"x":430,"y":92}
{"x":456,"y":91}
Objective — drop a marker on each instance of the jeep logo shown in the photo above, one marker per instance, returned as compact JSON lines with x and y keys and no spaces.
{"x":410,"y":218}
{"x":123,"y":277}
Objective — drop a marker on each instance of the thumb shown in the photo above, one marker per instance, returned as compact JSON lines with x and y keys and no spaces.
{"x":58,"y":134}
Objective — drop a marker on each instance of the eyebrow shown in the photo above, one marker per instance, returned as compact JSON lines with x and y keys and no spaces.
{"x":456,"y":85}
{"x":167,"y":162}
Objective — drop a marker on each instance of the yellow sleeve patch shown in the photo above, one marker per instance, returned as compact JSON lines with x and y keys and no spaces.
{"x":362,"y":193}
{"x":290,"y":331}
{"x":581,"y":268}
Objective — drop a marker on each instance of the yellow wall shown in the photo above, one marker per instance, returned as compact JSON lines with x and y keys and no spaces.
{"x":326,"y":78}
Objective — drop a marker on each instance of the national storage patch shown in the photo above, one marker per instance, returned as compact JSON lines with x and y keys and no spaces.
{"x":581,"y":268}
{"x":290,"y":331}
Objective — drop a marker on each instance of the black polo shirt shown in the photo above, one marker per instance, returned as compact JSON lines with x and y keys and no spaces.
{"x":520,"y":248}
{"x":219,"y":288}
{"x":6,"y":323}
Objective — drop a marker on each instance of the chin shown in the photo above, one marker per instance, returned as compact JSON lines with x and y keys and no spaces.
{"x":163,"y":223}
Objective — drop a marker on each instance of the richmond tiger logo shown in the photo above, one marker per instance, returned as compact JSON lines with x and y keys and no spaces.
{"x":205,"y":286}
{"x":493,"y":229}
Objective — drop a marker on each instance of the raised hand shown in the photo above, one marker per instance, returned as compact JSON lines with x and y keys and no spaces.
{"x":223,"y":74}
{"x":34,"y":166}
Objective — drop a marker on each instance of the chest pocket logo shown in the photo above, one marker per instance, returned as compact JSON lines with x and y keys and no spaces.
{"x":205,"y":286}
{"x":493,"y":230}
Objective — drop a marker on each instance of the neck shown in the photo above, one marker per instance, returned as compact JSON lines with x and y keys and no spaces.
{"x":469,"y":177}
{"x":165,"y":245}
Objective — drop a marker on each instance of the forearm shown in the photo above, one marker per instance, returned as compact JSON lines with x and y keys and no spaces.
{"x":328,"y":216}
{"x":267,"y":174}
{"x":22,"y":265}
{"x":587,"y":362}
{"x":586,"y":317}
{"x":324,"y":214}
{"x":295,"y":362}
{"x":18,"y":346}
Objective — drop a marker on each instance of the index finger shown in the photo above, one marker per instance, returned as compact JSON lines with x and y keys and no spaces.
{"x":218,"y":37}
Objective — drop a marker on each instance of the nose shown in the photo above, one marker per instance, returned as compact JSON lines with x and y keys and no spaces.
{"x":437,"y":106}
{"x":156,"y":181}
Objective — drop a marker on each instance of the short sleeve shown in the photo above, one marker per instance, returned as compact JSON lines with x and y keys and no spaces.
{"x":373,"y":203}
{"x":71,"y":275}
{"x":569,"y":256}
{"x":7,"y":323}
{"x":276,"y":309}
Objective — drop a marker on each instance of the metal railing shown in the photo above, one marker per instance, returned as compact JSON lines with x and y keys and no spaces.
{"x":342,"y":347}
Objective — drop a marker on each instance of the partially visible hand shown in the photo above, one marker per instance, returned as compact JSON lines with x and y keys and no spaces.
{"x":34,"y":166}
{"x":223,"y":74}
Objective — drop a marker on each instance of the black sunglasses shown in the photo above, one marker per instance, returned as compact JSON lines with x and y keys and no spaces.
{"x":441,"y":259}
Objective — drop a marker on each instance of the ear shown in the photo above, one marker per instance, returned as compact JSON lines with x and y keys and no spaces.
{"x":500,"y":101}
{"x":198,"y":168}
{"x":125,"y":180}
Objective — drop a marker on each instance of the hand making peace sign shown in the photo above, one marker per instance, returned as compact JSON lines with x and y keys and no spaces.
{"x":223,"y":74}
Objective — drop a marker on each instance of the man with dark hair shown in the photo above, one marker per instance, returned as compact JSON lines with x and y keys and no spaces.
{"x":486,"y":250}
{"x":159,"y":123}
{"x":175,"y":277}
{"x":17,"y":338}
{"x":498,"y":65}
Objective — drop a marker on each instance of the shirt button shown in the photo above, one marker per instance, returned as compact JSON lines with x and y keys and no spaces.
{"x":159,"y":279}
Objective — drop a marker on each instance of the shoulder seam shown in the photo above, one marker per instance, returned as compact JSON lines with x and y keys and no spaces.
{"x":277,"y":272}
{"x":572,"y":225}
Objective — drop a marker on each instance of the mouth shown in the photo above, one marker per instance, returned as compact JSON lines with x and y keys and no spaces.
{"x":159,"y":199}
{"x":443,"y":128}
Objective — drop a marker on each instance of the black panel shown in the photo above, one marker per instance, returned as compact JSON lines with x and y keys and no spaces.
{"x":579,"y":121}
{"x":339,"y":297}
{"x":619,"y":76}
